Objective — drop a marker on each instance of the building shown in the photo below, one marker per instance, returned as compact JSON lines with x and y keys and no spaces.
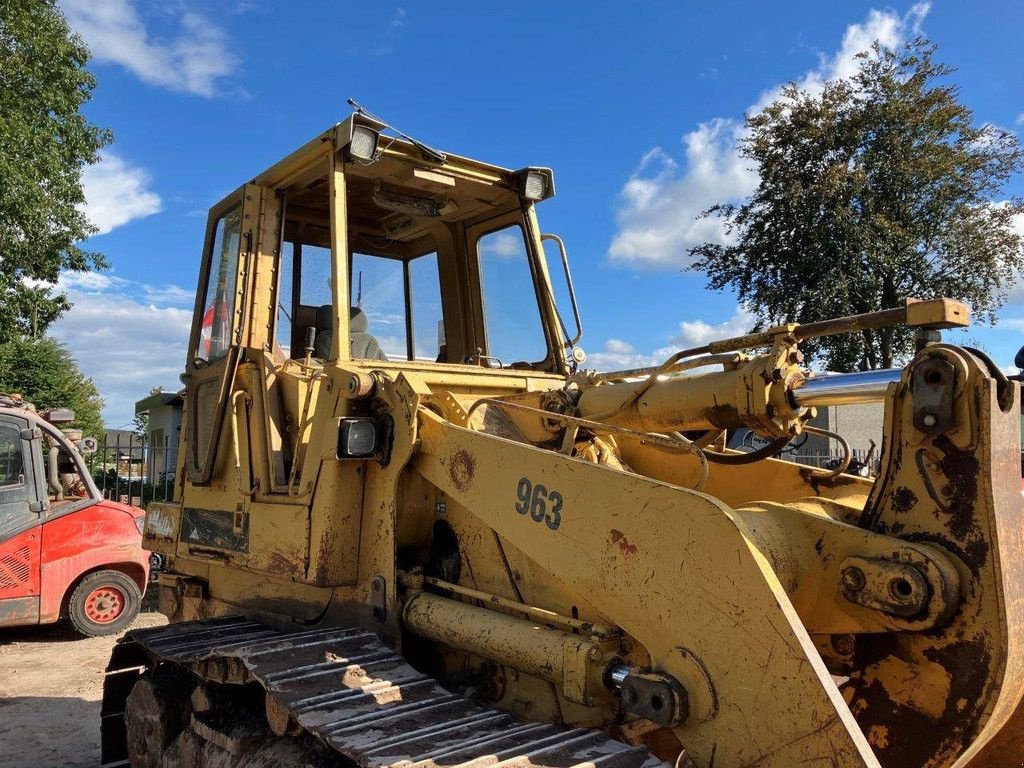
{"x":163,"y":427}
{"x":123,"y":451}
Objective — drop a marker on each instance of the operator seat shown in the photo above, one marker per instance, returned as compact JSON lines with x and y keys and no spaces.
{"x":364,"y":345}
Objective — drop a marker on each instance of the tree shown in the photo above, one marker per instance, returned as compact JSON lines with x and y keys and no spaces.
{"x":44,"y":143}
{"x":140,"y":422}
{"x":45,"y":374}
{"x":877,"y":189}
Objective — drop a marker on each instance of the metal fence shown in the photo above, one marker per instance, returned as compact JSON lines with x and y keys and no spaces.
{"x":832,"y":458}
{"x":861,"y":459}
{"x":129,"y":468}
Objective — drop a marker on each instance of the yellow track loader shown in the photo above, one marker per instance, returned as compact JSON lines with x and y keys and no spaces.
{"x":412,"y":529}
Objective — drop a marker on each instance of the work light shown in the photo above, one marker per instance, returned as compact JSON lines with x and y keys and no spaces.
{"x":535,"y":183}
{"x":358,"y":438}
{"x":364,"y":142}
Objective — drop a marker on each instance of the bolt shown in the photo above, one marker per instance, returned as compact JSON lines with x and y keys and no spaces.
{"x":853,"y":579}
{"x":629,"y":696}
{"x":929,"y":420}
{"x":843,"y":644}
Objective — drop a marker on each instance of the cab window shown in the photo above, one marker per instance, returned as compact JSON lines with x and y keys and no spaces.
{"x":395,"y":308}
{"x":425,"y":301}
{"x":377,"y":308}
{"x":12,"y":468}
{"x":511,"y":313}
{"x":219,"y":307}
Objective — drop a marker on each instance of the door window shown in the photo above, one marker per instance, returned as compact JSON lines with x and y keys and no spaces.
{"x":218,"y":313}
{"x":284,"y":301}
{"x":12,"y":462}
{"x":511,"y":312}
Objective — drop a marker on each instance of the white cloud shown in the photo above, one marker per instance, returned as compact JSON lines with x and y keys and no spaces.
{"x":621,"y":355}
{"x":616,"y":346}
{"x":697,"y":333}
{"x":398,"y":22}
{"x":123,"y":339}
{"x":193,"y":60}
{"x":504,"y":245}
{"x":117,"y":193}
{"x":659,"y":204}
{"x":658,"y":217}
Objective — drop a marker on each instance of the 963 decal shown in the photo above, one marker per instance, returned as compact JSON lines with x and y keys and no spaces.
{"x":543,"y":505}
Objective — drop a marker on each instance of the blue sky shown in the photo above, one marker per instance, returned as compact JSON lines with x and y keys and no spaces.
{"x":636,"y":107}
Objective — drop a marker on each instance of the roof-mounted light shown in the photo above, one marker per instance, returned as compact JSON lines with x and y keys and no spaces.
{"x":535,"y":184}
{"x":363,"y":145}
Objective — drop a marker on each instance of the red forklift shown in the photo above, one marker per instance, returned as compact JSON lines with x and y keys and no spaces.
{"x":65,"y":551}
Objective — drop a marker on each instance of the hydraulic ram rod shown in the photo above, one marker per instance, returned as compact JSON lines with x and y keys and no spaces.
{"x":844,"y":388}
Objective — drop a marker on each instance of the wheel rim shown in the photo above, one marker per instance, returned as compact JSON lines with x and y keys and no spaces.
{"x":105,"y":604}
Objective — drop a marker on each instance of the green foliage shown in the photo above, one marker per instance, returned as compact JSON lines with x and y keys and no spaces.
{"x":114,"y":486}
{"x":140,"y":422}
{"x":44,"y":143}
{"x":878,"y":189}
{"x":45,"y":374}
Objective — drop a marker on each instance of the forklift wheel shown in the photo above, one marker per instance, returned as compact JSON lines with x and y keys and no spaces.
{"x":104,"y":603}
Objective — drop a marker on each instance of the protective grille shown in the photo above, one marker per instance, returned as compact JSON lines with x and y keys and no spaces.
{"x":15,"y":568}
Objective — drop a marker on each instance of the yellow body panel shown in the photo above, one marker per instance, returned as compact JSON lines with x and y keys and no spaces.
{"x":802,"y":618}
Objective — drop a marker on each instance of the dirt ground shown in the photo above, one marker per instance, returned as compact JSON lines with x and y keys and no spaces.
{"x":51,"y":682}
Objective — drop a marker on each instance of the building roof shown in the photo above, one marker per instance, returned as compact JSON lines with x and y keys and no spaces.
{"x":156,"y":400}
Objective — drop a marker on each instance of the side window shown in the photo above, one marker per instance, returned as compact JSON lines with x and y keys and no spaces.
{"x":12,"y":467}
{"x":377,"y":302}
{"x":284,"y":299}
{"x":315,"y":289}
{"x":219,"y":308}
{"x":511,"y":313}
{"x":427,"y":318}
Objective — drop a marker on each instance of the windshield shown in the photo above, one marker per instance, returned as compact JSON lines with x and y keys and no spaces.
{"x":511,"y":312}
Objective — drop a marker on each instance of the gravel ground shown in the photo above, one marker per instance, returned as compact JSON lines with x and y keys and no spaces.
{"x":51,"y":683}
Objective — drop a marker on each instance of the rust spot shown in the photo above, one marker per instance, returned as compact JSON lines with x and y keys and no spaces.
{"x":283,"y":565}
{"x":323,"y":559}
{"x":462,"y":469}
{"x":960,"y":469}
{"x":620,"y":538}
{"x":903,"y":500}
{"x":905,"y":735}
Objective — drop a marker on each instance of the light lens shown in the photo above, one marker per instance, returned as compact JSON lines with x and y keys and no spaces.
{"x":536,"y":186}
{"x":364,"y":142}
{"x":357,"y":438}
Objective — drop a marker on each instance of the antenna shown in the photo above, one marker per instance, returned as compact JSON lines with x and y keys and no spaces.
{"x":430,"y":152}
{"x":359,"y":290}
